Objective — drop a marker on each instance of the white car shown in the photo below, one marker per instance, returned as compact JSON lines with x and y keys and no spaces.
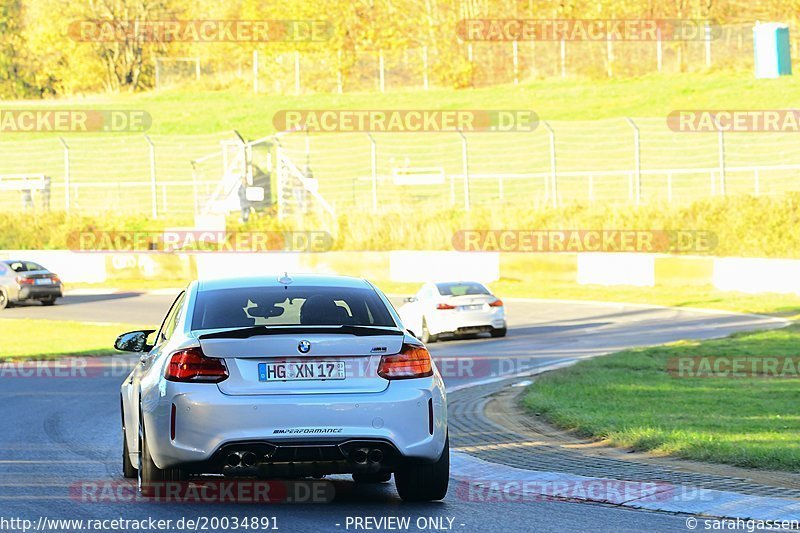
{"x":288,"y":376}
{"x":453,"y":308}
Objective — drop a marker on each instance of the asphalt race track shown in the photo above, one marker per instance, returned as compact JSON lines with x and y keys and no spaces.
{"x":60,"y":435}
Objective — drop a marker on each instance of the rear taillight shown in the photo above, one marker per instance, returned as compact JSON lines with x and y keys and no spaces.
{"x":496,"y":303}
{"x":413,"y":361}
{"x":24,"y":281}
{"x":55,"y":279}
{"x":445,"y":306}
{"x":191,"y":366}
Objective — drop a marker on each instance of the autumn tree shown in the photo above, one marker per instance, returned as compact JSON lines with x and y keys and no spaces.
{"x":15,"y":80}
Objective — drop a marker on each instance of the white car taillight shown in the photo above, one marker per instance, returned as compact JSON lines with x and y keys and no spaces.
{"x":192,"y":366}
{"x":413,"y":361}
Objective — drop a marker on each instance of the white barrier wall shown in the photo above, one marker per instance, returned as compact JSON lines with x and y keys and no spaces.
{"x":754,"y":275}
{"x":749,"y":275}
{"x":421,"y":266}
{"x":218,"y":265}
{"x":71,"y":267}
{"x":617,"y":269}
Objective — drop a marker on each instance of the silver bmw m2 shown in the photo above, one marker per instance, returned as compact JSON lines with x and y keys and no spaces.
{"x":284,"y":377}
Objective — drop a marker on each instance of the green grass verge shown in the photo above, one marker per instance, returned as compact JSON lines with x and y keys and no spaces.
{"x":176,"y":111}
{"x":25,"y":338}
{"x":630,"y":399}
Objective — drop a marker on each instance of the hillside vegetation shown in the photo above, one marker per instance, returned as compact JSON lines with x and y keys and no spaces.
{"x":744,"y":225}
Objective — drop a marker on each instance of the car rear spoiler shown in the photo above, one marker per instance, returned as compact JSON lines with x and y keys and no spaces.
{"x":254,"y":331}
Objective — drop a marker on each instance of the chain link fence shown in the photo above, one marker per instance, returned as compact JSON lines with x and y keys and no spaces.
{"x":612,"y":160}
{"x":486,"y":64}
{"x":93,"y":174}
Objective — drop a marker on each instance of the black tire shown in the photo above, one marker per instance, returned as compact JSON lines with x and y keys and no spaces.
{"x":151,"y":478}
{"x":3,"y":299}
{"x":128,"y":470}
{"x":426,"y":337}
{"x":369,"y":477}
{"x":499,"y":332}
{"x":48,"y":301}
{"x":425,"y":482}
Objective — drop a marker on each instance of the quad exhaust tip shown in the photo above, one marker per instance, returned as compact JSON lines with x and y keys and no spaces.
{"x":360,"y":455}
{"x":249,"y":459}
{"x":244,"y":459}
{"x":363,"y":456}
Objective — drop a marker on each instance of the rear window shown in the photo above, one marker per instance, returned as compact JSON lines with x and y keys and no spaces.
{"x":461,"y":288}
{"x":17,"y":266}
{"x":24,"y":266}
{"x":289,"y":306}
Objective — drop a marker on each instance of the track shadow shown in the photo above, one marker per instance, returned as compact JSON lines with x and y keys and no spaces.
{"x":90,"y":298}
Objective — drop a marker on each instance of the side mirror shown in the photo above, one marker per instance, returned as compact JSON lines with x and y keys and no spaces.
{"x":410,"y":299}
{"x":134,"y":341}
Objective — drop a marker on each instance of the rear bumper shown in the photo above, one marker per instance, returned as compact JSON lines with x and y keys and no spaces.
{"x":300,"y":458}
{"x":38,"y":292}
{"x":206,"y":420}
{"x":467,"y":322}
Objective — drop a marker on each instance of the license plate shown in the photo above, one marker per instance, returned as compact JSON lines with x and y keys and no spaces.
{"x":474,"y":307}
{"x":44,"y":281}
{"x":301,"y":371}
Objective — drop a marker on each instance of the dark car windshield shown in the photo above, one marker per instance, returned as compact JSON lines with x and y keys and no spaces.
{"x":461,"y":288}
{"x":292,"y":306}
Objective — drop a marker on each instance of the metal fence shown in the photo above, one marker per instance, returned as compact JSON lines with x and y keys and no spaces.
{"x":484,"y":64}
{"x":615,"y":160}
{"x":121,"y":174}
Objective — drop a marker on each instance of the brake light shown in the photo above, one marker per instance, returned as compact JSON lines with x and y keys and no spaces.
{"x":445,"y":306}
{"x":55,"y":279}
{"x":24,"y":281}
{"x":413,"y":361}
{"x":496,"y":303}
{"x":192,"y":366}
